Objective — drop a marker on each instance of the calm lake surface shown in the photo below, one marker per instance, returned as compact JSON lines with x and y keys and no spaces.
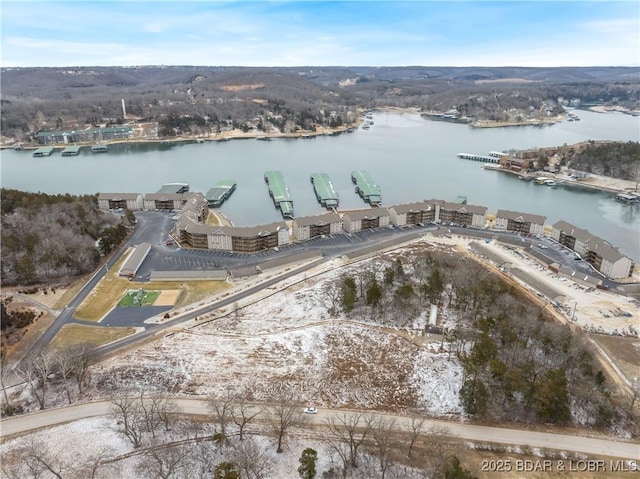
{"x":412,"y":159}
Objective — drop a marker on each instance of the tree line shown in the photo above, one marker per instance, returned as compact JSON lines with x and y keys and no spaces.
{"x":47,"y":238}
{"x":616,"y":159}
{"x":92,"y":96}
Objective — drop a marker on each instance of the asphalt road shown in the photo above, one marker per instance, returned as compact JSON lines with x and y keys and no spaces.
{"x":482,"y":434}
{"x":153,"y":227}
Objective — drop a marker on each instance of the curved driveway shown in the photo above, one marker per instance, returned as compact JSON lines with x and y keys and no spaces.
{"x":483,"y":434}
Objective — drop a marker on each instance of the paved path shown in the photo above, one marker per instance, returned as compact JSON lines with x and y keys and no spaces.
{"x":484,"y":434}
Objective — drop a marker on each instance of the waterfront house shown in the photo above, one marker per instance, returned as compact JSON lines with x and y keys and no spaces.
{"x":596,"y":251}
{"x":309,"y":227}
{"x":359,"y":220}
{"x":525,"y":223}
{"x":514,"y":164}
{"x":126,"y":201}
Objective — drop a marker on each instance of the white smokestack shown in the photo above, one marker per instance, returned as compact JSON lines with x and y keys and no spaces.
{"x":124,"y":110}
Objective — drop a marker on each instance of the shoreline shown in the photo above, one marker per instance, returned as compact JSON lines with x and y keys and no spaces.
{"x":598,"y":183}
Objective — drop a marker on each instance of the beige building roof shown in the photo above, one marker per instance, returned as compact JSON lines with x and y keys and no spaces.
{"x":323,"y":219}
{"x":118,"y":196}
{"x":164,"y":196}
{"x":367,"y":214}
{"x":460,"y":208}
{"x":412,"y":207}
{"x":521,"y":217}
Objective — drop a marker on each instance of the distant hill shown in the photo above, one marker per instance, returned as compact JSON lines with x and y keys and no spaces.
{"x":292,"y":98}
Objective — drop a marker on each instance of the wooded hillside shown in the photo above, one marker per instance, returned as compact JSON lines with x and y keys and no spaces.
{"x":48,"y":238}
{"x":618,"y":160}
{"x":44,"y":99}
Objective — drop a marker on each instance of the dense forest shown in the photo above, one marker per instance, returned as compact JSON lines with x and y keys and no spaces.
{"x":194,"y":99}
{"x":618,"y":160}
{"x":518,"y":363}
{"x":48,"y":238}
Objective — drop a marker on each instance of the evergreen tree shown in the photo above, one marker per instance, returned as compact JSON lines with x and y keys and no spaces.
{"x":307,"y":469}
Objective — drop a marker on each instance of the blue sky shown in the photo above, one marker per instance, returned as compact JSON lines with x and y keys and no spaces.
{"x":281,"y":33}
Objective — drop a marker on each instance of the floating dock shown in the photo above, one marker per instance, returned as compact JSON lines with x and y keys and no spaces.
{"x":44,"y":151}
{"x":482,"y":158}
{"x":174,"y":188}
{"x":325,"y":193}
{"x":71,"y":151}
{"x":220,"y":193}
{"x":279,"y":192}
{"x":366,"y":188}
{"x":99,"y":149}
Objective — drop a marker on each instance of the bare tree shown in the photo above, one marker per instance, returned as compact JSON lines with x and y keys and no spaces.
{"x":130,"y":419}
{"x":351,"y":429}
{"x":164,"y":462}
{"x":64,"y":365}
{"x":382,"y":432}
{"x":4,"y":374}
{"x":414,"y":428}
{"x":252,"y":459}
{"x":81,"y":353}
{"x":97,"y":462}
{"x":286,"y":413}
{"x":35,"y":372}
{"x":38,"y":460}
{"x":222,"y":410}
{"x":156,"y":411}
{"x":243,"y":413}
{"x":332,"y":297}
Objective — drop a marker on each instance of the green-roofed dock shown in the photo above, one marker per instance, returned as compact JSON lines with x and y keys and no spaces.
{"x":174,"y":188}
{"x":44,"y":151}
{"x":325,"y":193}
{"x":71,"y":151}
{"x":220,"y":193}
{"x":366,"y":188}
{"x":279,"y":192}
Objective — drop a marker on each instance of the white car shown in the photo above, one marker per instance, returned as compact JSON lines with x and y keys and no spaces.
{"x":310,"y":410}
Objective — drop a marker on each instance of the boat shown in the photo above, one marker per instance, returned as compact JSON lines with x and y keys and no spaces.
{"x":550,"y":183}
{"x":365,"y":126}
{"x":263,"y":138}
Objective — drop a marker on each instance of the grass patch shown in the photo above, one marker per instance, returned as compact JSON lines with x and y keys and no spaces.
{"x":112,"y":287}
{"x":138,"y":297}
{"x":625,"y":352}
{"x":71,"y":334}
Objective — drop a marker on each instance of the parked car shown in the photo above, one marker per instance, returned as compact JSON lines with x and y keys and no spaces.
{"x":310,"y":410}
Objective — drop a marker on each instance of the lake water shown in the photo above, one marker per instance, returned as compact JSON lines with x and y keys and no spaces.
{"x":412,"y":159}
